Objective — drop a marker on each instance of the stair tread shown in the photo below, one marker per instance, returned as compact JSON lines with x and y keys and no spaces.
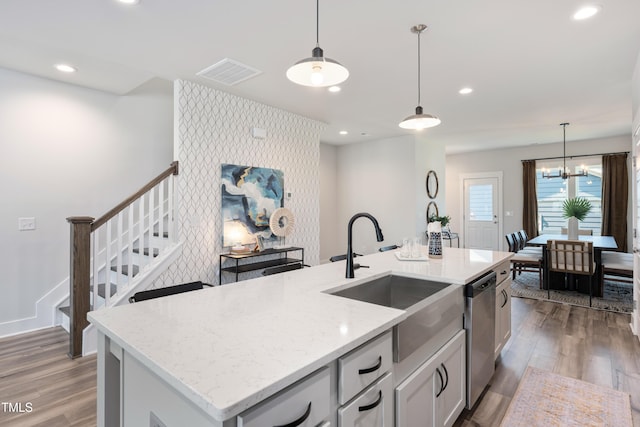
{"x":67,"y":310}
{"x":125,"y":269}
{"x":145,"y":251}
{"x":101,"y":286}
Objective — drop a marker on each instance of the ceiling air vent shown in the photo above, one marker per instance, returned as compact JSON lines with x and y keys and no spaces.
{"x":229,"y":72}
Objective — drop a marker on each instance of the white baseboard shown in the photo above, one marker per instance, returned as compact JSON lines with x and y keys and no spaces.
{"x":45,"y":315}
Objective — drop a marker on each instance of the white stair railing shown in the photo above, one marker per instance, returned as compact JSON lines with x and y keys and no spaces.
{"x":110,"y":251}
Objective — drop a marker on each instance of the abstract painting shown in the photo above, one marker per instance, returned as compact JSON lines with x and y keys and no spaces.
{"x":249,"y":197}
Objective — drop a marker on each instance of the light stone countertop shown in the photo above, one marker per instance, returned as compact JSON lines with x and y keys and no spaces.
{"x":229,"y":347}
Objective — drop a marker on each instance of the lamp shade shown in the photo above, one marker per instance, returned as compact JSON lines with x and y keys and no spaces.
{"x":419,"y":120}
{"x":317,"y":71}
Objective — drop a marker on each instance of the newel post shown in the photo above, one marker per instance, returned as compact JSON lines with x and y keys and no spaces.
{"x":79,"y":277}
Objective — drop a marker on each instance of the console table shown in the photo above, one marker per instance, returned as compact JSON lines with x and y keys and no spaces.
{"x":238,"y":268}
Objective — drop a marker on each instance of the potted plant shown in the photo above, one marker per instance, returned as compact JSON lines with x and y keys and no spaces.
{"x":575,"y":210}
{"x":443,"y":220}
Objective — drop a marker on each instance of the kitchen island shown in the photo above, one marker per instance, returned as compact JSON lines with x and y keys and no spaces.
{"x":206,"y":357}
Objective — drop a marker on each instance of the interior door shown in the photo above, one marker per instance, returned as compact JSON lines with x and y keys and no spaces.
{"x":481,"y":213}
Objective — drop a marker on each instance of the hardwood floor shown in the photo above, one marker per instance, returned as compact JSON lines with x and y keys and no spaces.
{"x":591,"y":345}
{"x":577,"y":342}
{"x":35,"y":370}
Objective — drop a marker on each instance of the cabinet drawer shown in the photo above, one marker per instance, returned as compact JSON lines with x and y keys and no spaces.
{"x":363,"y":366}
{"x":502,"y":271}
{"x":374,"y":407}
{"x":306,"y":404}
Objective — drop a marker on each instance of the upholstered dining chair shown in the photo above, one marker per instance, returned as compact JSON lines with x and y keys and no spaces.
{"x":571,"y":257}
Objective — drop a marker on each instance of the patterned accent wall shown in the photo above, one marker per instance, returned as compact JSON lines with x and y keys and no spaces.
{"x":214,"y":127}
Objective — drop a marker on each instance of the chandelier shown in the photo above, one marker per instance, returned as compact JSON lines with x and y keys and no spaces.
{"x":563,"y":172}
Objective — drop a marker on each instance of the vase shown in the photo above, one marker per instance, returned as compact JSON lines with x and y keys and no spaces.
{"x":572,"y":228}
{"x":434,"y":230}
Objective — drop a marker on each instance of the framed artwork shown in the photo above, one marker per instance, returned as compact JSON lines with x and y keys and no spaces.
{"x":432,"y":184}
{"x":249,"y":196}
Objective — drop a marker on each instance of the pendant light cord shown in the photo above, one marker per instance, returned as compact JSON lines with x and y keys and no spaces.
{"x":419,"y":32}
{"x":317,"y":23}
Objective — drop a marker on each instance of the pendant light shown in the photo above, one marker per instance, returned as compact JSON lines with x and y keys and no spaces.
{"x":419,"y":120}
{"x":317,"y":71}
{"x":564,"y":172}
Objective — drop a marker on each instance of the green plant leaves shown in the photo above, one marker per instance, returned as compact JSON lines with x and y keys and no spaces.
{"x":577,"y":207}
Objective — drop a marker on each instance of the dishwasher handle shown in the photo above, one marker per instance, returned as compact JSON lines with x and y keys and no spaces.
{"x":483,"y":283}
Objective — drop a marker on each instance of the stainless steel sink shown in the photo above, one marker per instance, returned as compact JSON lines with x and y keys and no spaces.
{"x":393,"y":291}
{"x":435,"y":309}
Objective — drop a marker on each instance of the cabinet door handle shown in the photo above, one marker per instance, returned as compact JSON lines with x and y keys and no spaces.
{"x":506,"y":298}
{"x":503,"y":272}
{"x":300,"y":420}
{"x":371,"y":369}
{"x":446,"y":373}
{"x":371,"y":405}
{"x":441,"y":383}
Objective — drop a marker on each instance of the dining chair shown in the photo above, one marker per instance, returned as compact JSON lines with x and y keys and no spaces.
{"x":571,"y":257}
{"x":523,"y":237}
{"x":523,"y":260}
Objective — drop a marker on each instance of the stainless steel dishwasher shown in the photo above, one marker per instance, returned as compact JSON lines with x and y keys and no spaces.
{"x":480,"y":324}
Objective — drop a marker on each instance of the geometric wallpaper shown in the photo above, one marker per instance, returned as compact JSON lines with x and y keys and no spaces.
{"x":215,"y":127}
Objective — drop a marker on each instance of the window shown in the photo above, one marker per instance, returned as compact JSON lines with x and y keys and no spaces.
{"x":553,"y":192}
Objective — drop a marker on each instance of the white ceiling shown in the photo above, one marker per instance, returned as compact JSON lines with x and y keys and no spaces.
{"x":531,"y":66}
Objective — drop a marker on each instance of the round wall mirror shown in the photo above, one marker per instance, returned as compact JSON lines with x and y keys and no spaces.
{"x":432,"y":184}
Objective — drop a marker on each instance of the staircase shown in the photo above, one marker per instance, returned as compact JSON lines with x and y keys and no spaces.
{"x":123,"y":252}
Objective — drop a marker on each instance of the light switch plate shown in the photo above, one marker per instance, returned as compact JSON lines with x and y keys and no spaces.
{"x":26,"y":224}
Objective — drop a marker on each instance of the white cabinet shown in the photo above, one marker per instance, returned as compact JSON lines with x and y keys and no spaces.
{"x":434,"y":395}
{"x":373,"y":408}
{"x":363,"y":366}
{"x":305,"y":404}
{"x":503,"y":308}
{"x":365,"y":385}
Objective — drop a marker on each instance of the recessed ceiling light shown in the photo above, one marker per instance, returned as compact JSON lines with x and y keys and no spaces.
{"x":335,"y":89}
{"x":343,"y":132}
{"x":129,"y":1}
{"x":586,"y":12}
{"x":465,"y":91}
{"x":65,"y":68}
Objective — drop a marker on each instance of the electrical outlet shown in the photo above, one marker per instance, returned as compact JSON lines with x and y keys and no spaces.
{"x":154,"y":421}
{"x":26,"y":224}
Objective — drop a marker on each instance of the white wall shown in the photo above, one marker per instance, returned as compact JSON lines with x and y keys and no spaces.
{"x":509,"y":161}
{"x":329,"y":235}
{"x":385,"y":178}
{"x":67,"y":151}
{"x":214,"y":127}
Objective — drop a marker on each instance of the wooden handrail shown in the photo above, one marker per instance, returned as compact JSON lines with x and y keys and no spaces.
{"x":172,"y":170}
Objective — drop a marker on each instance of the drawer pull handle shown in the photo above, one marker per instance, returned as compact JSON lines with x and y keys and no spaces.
{"x":371,"y":369}
{"x":503,"y":272}
{"x":371,"y":405}
{"x":300,"y":420}
{"x":441,"y":383}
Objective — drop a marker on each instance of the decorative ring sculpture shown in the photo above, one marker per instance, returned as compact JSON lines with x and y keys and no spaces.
{"x":431,"y":207}
{"x":281,"y":222}
{"x":432,"y":181}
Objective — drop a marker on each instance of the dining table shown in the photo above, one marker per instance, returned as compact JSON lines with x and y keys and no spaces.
{"x":556,"y":280}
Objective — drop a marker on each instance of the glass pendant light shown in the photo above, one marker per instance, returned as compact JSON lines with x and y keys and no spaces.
{"x":419,"y":120}
{"x":317,"y":71}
